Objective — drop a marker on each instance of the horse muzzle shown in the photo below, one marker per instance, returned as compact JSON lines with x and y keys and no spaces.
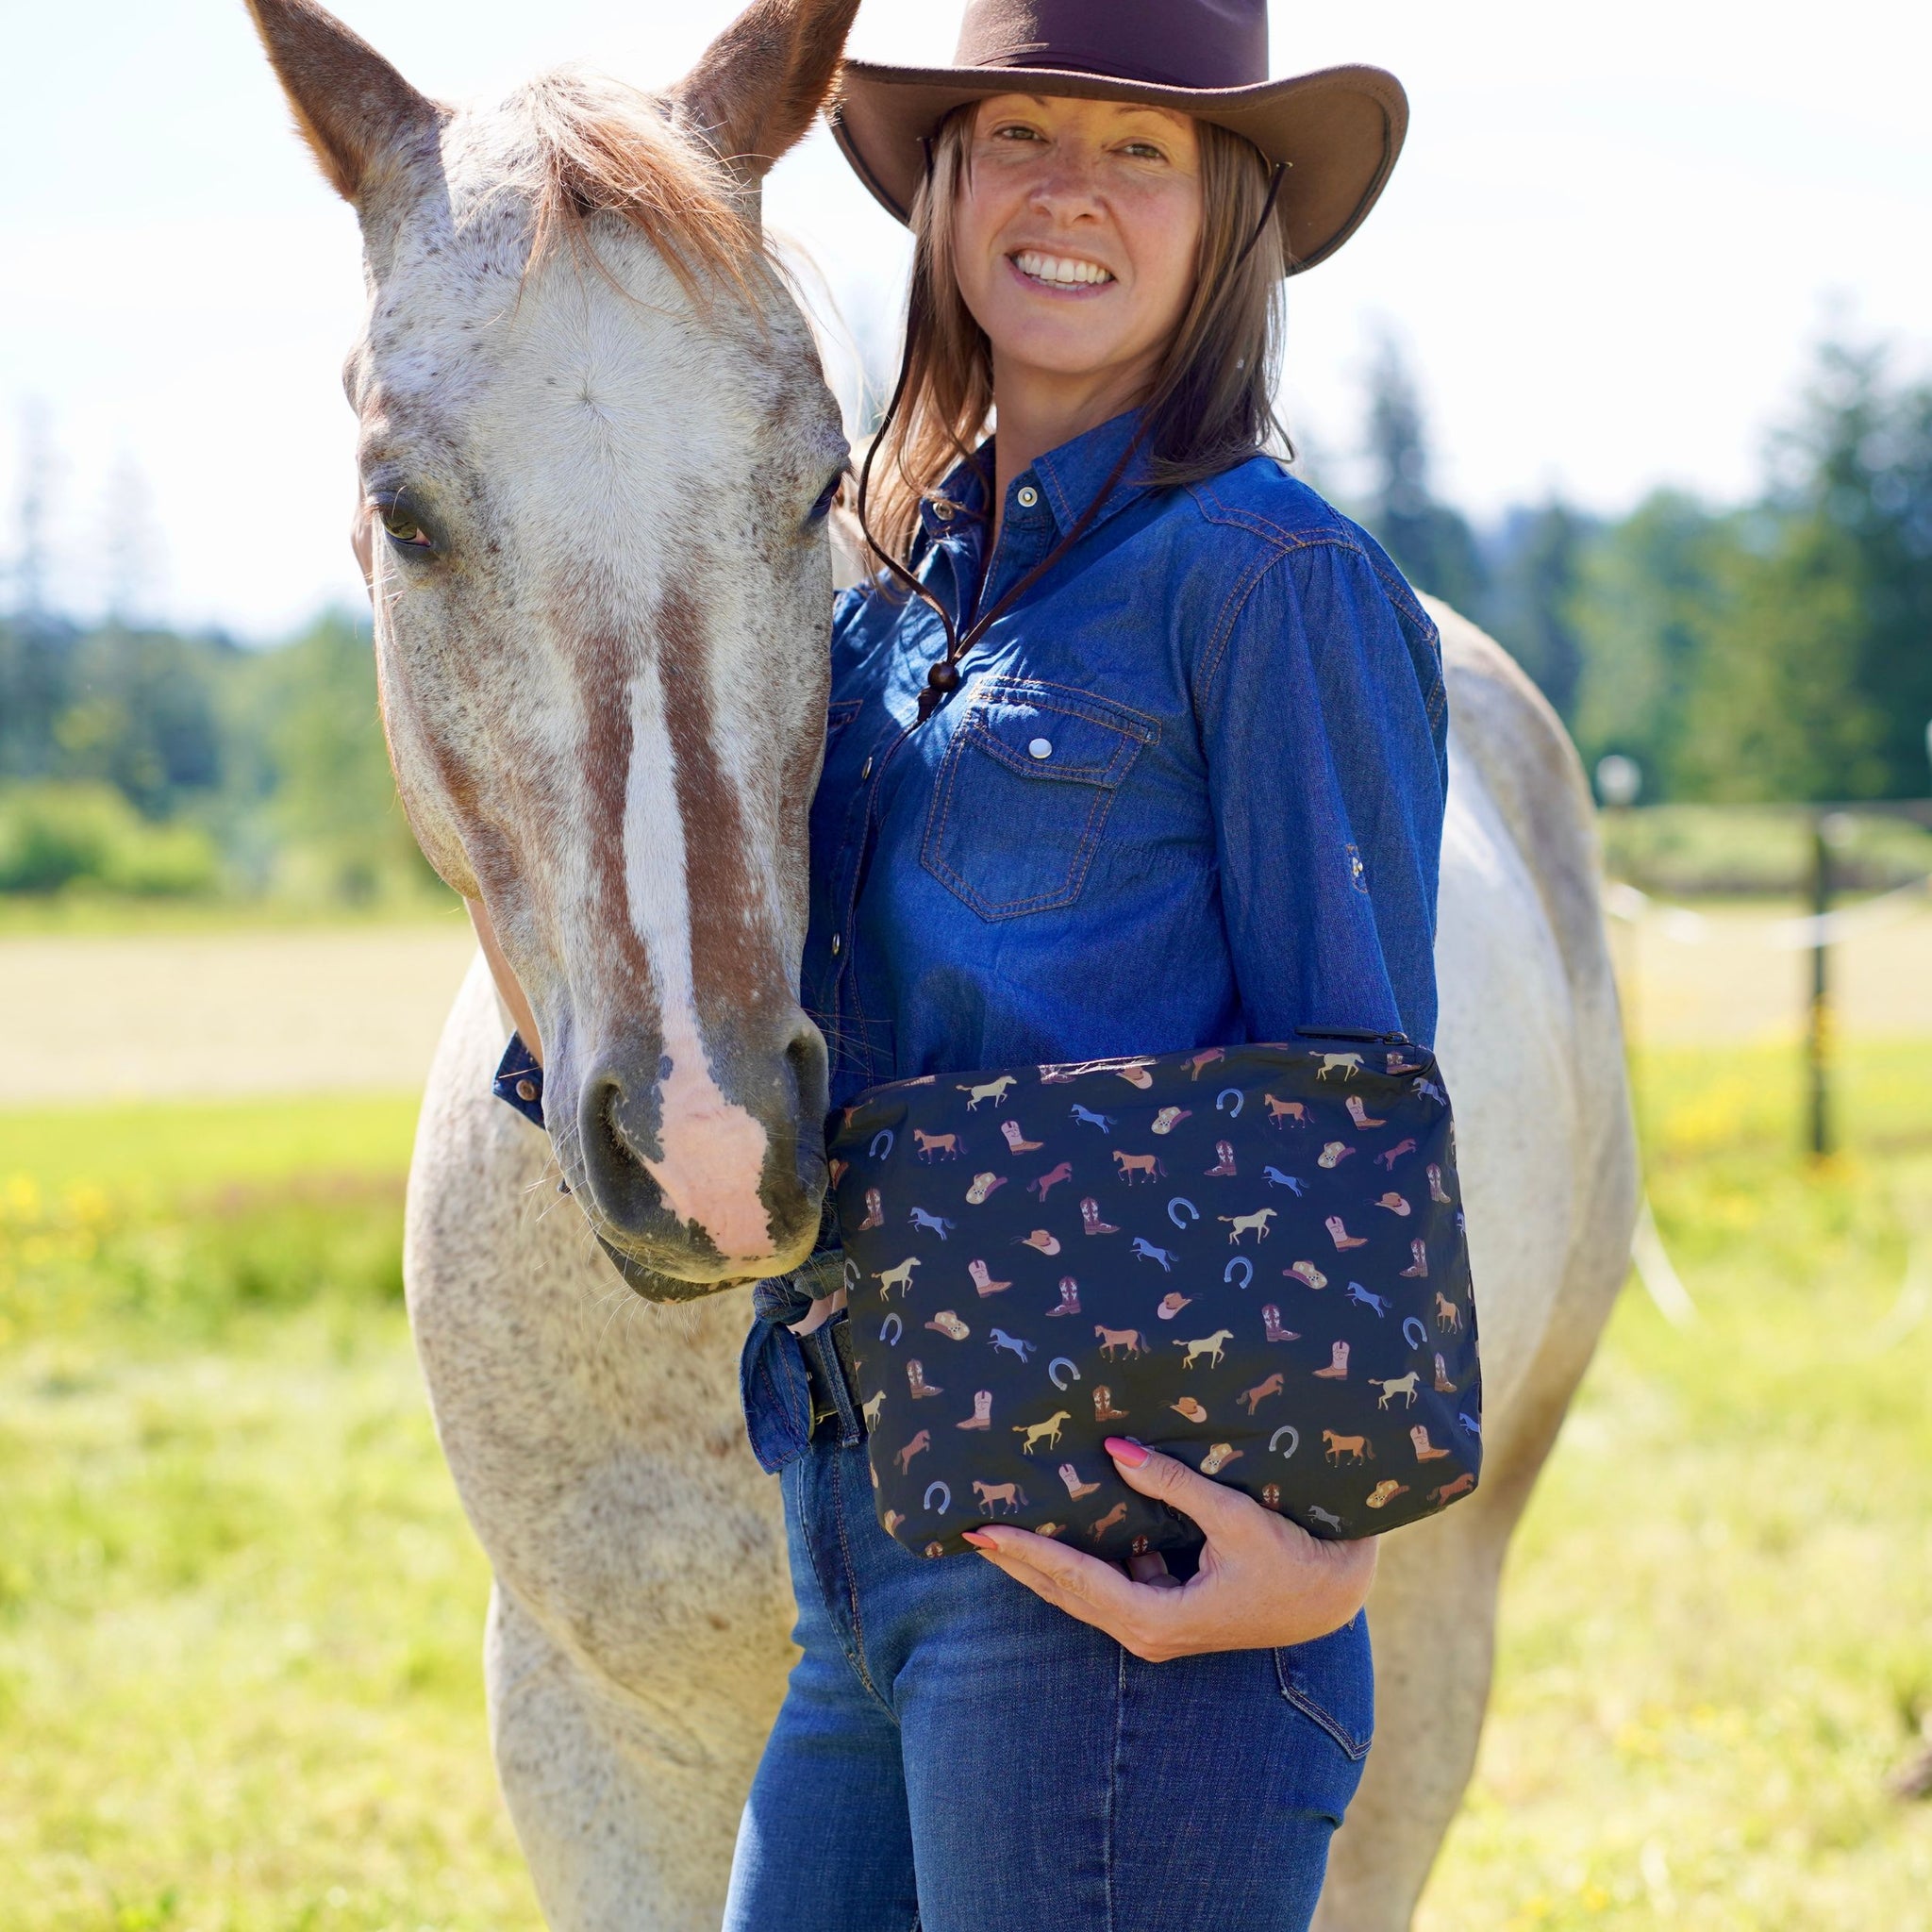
{"x":698,"y":1181}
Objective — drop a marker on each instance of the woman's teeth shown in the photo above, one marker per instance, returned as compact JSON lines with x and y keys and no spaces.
{"x":1059,"y":272}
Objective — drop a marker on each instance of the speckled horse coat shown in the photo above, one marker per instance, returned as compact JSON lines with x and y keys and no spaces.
{"x":636,"y":1645}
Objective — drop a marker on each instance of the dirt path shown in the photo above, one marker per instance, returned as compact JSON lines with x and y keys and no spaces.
{"x":305,"y":1011}
{"x":207,"y":1015}
{"x":1732,"y":987}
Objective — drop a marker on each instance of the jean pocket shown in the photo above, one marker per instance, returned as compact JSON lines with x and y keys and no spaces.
{"x":1024,"y":794}
{"x":1332,"y":1682}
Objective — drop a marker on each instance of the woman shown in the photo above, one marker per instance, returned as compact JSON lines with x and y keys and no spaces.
{"x":1135,"y":747}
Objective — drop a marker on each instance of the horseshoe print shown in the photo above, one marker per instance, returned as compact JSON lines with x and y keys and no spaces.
{"x":851,"y":1275}
{"x":944,"y":1491}
{"x":890,"y":1329}
{"x":1294,"y":1435}
{"x":1174,"y":1207}
{"x":1415,"y":1333}
{"x":1235,"y":1094}
{"x":877,"y":1152}
{"x":1057,"y":1363}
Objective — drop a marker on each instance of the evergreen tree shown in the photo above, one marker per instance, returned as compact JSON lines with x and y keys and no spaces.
{"x":1432,"y":543}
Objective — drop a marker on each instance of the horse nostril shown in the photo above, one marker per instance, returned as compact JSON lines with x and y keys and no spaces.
{"x":611,"y":1162}
{"x":805,"y":1062}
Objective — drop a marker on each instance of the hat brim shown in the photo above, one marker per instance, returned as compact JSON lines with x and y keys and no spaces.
{"x":1337,"y":131}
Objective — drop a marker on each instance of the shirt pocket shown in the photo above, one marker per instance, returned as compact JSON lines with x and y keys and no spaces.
{"x":1024,"y":794}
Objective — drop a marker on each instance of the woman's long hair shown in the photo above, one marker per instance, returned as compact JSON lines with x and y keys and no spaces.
{"x":1212,"y":403}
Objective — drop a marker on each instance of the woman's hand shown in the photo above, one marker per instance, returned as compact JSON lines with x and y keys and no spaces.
{"x":1263,"y":1581}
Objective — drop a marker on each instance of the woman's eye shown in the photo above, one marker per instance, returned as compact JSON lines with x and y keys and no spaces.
{"x":1144,"y":150}
{"x":1017,"y":133}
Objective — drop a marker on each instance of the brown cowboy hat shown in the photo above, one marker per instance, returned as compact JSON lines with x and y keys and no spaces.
{"x":1337,"y":133}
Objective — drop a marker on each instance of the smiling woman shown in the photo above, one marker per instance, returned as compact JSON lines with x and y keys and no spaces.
{"x":1172,"y":293}
{"x":1137,"y":749}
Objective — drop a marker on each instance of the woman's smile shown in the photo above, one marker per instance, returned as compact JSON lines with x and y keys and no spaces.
{"x":1062,"y":275}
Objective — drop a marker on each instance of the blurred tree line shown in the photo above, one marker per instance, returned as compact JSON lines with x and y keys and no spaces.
{"x":1777,"y":651}
{"x":148,"y":761}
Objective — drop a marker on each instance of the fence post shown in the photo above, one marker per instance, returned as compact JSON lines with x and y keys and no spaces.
{"x":1818,"y":1032}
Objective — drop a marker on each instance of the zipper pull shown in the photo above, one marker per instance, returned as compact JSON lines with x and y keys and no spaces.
{"x":1354,"y":1033}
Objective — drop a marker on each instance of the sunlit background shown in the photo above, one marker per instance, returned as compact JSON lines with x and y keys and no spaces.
{"x":1613,"y":242}
{"x":1633,"y":364}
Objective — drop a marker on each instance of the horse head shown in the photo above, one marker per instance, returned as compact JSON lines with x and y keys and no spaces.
{"x":598,"y":450}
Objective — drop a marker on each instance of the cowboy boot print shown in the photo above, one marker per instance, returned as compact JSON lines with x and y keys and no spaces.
{"x":1340,"y":1236}
{"x":1271,"y":1323}
{"x":915,"y":1377}
{"x":1070,"y":1298}
{"x":1016,"y":1141}
{"x":1091,"y":1222}
{"x":1075,"y":1487}
{"x":981,"y":1417}
{"x":1337,"y":1370}
{"x":1444,"y":1385}
{"x":1223,"y":1167}
{"x":983,"y":1281}
{"x":874,"y":1211}
{"x":1425,"y":1451}
{"x":1358,"y":1113}
{"x":1104,"y":1410}
{"x":1436,"y":1193}
{"x":1419,"y":1268}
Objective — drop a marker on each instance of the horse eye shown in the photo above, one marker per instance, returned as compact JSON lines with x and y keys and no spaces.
{"x":399,"y":526}
{"x":827,"y":497}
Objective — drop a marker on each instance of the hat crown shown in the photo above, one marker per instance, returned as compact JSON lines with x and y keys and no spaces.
{"x":1186,"y":44}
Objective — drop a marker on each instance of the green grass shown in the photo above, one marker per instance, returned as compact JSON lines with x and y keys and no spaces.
{"x":1717,"y":1637}
{"x":240,"y":1612}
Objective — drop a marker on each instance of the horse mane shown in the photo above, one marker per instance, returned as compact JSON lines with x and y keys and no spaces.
{"x":603,"y":148}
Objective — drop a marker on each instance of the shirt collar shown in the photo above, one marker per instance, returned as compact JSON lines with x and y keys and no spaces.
{"x":1074,"y":474}
{"x":1068,"y":479}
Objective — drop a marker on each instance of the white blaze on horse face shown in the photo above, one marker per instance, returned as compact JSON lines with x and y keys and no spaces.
{"x":714,"y":1151}
{"x":605,"y":693}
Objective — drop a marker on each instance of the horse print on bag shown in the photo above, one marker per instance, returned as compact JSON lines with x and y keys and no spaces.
{"x":1350,"y":1400}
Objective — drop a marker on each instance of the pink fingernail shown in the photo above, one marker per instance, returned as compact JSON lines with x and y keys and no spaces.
{"x":979,"y":1540}
{"x":1124,"y":1450}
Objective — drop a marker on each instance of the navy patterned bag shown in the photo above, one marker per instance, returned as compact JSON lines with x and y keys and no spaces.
{"x":1252,"y":1258}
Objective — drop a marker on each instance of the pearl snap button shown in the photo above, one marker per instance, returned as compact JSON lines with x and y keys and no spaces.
{"x":944,"y":510}
{"x":838,"y":945}
{"x":865,"y":770}
{"x":1041,"y":747}
{"x":1029,"y":497}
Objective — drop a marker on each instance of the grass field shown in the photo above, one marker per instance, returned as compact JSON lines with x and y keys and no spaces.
{"x":240,"y":1611}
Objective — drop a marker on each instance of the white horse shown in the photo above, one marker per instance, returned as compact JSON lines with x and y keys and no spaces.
{"x":601,"y":636}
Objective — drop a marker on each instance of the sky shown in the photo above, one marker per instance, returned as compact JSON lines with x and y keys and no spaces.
{"x":1614,"y":239}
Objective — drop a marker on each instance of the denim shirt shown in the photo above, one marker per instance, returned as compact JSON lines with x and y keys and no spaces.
{"x":1189,"y":792}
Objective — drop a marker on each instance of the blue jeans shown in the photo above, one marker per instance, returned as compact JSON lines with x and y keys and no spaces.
{"x":956,"y":1755}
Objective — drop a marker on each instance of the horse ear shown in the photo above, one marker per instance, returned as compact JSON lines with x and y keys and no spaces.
{"x":760,"y":82}
{"x":351,"y":105}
